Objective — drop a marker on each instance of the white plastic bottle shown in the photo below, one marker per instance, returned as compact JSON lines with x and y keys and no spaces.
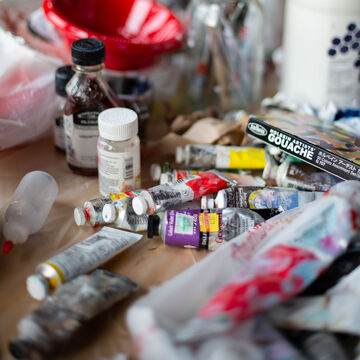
{"x":29,"y":207}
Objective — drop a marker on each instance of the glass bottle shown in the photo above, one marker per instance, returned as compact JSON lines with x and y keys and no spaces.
{"x":88,"y":95}
{"x":62,"y":76}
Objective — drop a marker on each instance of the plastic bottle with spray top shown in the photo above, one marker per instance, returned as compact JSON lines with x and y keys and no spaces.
{"x":29,"y":207}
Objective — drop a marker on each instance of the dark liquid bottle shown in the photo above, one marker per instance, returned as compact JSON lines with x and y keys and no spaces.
{"x":88,"y":95}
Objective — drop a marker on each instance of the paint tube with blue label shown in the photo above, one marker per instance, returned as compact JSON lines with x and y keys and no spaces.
{"x":253,"y":197}
{"x":52,"y":324}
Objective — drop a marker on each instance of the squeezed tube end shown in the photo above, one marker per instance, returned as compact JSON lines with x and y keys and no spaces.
{"x":7,"y":246}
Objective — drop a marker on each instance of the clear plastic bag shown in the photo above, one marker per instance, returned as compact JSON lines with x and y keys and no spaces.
{"x":27,"y":92}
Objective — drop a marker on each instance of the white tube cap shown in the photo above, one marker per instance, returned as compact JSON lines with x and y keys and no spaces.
{"x":140,"y":205}
{"x":164,"y":178}
{"x":109,"y":213}
{"x":37,"y":287}
{"x":179,"y":155}
{"x":155,"y":171}
{"x":220,"y":200}
{"x":79,"y":216}
{"x":118,"y":124}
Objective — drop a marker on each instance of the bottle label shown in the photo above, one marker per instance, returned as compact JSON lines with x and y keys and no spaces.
{"x":118,"y":171}
{"x":59,"y":135}
{"x":92,"y":252}
{"x":81,"y":134}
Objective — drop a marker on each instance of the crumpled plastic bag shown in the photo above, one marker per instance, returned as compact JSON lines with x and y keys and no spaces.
{"x":27,"y":94}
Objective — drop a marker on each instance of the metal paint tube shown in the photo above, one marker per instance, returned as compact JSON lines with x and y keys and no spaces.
{"x":241,"y":179}
{"x":79,"y":259}
{"x":121,"y":214}
{"x":221,"y":157}
{"x":91,"y":212}
{"x":206,"y":229}
{"x":290,"y":175}
{"x":162,"y":197}
{"x":261,"y":198}
{"x":62,"y":314}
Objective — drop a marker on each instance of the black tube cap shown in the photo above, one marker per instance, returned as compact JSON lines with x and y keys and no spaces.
{"x":153,"y":226}
{"x":62,"y":76}
{"x":88,"y":52}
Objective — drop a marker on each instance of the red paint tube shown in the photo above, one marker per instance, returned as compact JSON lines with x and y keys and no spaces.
{"x":161,"y":197}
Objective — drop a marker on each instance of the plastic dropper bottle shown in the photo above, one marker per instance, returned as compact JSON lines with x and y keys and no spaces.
{"x":29,"y":207}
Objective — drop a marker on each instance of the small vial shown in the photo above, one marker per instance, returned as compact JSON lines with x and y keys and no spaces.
{"x":118,"y":151}
{"x":29,"y":207}
{"x":62,"y":76}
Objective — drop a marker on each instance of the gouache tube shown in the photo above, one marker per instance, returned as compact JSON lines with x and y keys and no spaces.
{"x":91,"y":212}
{"x":290,"y":175}
{"x":263,"y":198}
{"x":221,"y":157}
{"x":63,"y":313}
{"x":161,"y":197}
{"x":78,"y":259}
{"x":206,"y":229}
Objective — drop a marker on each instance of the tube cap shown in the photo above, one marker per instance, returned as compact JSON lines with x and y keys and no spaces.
{"x":179,"y":155}
{"x":88,"y":52}
{"x":118,"y":124}
{"x":165,"y":178}
{"x":220,"y":200}
{"x":7,"y":246}
{"x":153,"y":226}
{"x":79,"y":216}
{"x":140,"y":205}
{"x":62,"y":76}
{"x":37,"y":287}
{"x":155,"y":171}
{"x":109,"y":213}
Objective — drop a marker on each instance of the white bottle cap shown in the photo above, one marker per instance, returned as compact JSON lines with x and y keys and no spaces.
{"x":109,"y":213}
{"x":140,"y":205}
{"x":179,"y":155}
{"x":79,"y":216}
{"x":220,"y":200}
{"x":118,"y":124}
{"x":155,"y":171}
{"x":165,"y":178}
{"x":37,"y":287}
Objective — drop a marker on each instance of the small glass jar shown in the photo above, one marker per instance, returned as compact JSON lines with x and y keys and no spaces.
{"x":118,"y":151}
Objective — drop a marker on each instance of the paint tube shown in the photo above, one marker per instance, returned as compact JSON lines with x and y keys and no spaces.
{"x":121,"y":214}
{"x":340,"y":267}
{"x":318,"y":345}
{"x":286,"y":264}
{"x":290,"y":175}
{"x":221,"y":157}
{"x":166,"y":174}
{"x":261,"y":198}
{"x":161,"y":197}
{"x":78,"y":259}
{"x":91,"y":212}
{"x":62,"y":314}
{"x":205,"y":229}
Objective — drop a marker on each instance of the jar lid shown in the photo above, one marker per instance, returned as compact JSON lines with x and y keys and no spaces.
{"x":118,"y":124}
{"x":88,"y":52}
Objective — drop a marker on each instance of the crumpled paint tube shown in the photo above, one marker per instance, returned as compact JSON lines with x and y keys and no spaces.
{"x":337,"y":310}
{"x":287,"y":264}
{"x":160,"y":198}
{"x":63,"y":313}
